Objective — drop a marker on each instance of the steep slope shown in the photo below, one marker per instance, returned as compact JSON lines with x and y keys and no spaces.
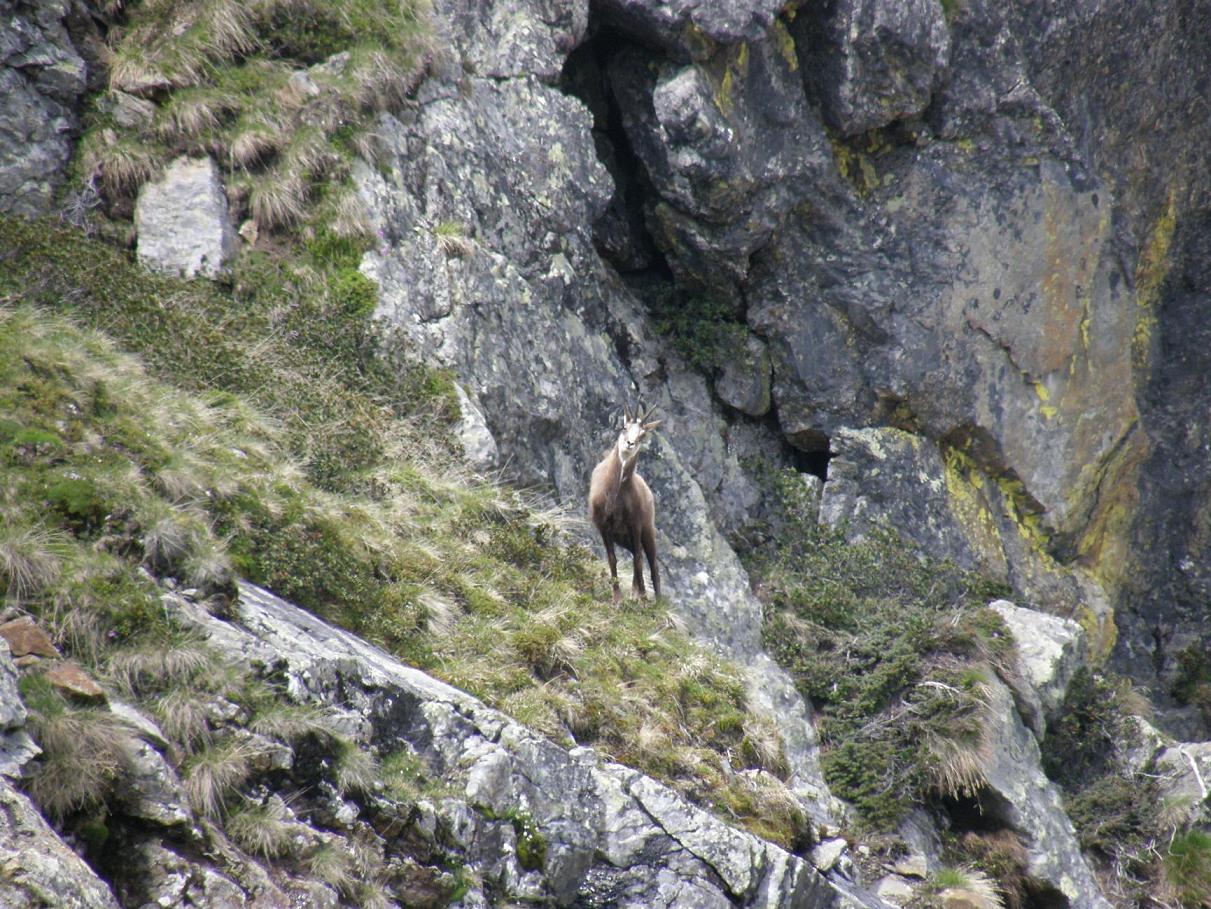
{"x":947,"y":257}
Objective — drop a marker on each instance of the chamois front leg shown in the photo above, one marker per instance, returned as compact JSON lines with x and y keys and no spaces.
{"x":649,"y":548}
{"x":637,"y":590}
{"x":612,"y":558}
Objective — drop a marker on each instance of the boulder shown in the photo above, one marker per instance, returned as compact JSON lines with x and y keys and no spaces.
{"x":871,"y":62}
{"x":74,"y":682}
{"x":26,"y":637}
{"x":1184,"y":771}
{"x":182,"y":221}
{"x":151,"y":789}
{"x":1050,"y":650}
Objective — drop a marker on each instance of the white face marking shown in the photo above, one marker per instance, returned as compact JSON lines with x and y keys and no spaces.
{"x":629,"y":440}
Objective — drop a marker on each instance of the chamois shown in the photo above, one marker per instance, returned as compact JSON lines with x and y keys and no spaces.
{"x":621,"y":505}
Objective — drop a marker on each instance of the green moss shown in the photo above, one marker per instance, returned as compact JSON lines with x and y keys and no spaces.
{"x":706,"y":330}
{"x":531,"y":844}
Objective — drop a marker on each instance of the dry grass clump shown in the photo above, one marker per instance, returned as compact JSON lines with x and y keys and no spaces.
{"x":214,"y":774}
{"x":967,"y":887}
{"x":279,"y":89}
{"x":277,"y":199}
{"x":29,"y":559}
{"x":161,"y":663}
{"x":120,"y":166}
{"x":266,"y":829}
{"x":84,"y":750}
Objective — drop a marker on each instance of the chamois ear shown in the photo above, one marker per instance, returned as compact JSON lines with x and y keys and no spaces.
{"x":648,"y":427}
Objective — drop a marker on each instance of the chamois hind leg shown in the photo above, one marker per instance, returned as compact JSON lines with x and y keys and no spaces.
{"x":637,"y":590}
{"x":649,"y":548}
{"x":612,"y":558}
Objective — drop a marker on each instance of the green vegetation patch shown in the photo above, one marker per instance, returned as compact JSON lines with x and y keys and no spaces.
{"x":893,"y":650}
{"x":289,"y":337}
{"x":705,"y":330}
{"x":293,"y":466}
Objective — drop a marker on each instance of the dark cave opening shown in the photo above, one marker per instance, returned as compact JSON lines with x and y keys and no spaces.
{"x":980,"y":833}
{"x":621,"y":233}
{"x":814,"y":462}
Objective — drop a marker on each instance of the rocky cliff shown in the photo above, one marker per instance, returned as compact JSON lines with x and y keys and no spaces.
{"x":948,"y":258}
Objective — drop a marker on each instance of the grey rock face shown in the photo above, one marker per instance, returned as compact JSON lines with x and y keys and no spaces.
{"x":182,"y":221}
{"x":608,"y":829}
{"x":36,"y":867}
{"x":744,"y":379}
{"x":41,"y":79}
{"x":730,"y":146}
{"x":1029,"y":803}
{"x":870,"y":62}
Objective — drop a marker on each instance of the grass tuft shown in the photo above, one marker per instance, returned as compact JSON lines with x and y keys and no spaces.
{"x":265,"y":829}
{"x":84,"y":751}
{"x":29,"y":560}
{"x":215,"y":773}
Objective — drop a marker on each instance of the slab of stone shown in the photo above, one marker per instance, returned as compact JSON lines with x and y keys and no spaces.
{"x":895,"y":890}
{"x":73,"y":681}
{"x":826,"y":854}
{"x":26,"y":637}
{"x":182,"y":221}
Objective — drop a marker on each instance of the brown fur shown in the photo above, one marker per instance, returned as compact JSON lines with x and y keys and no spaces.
{"x":623,"y":510}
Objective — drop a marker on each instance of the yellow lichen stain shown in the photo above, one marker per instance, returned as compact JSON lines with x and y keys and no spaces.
{"x":556,"y":155}
{"x":854,"y":167}
{"x":967,"y":497}
{"x":1150,"y":272}
{"x":1104,"y":547}
{"x":785,"y":43}
{"x":734,"y":68}
{"x":965,"y":145}
{"x":1029,"y":523}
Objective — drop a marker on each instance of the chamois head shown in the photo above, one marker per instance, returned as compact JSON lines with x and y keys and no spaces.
{"x":634,"y":431}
